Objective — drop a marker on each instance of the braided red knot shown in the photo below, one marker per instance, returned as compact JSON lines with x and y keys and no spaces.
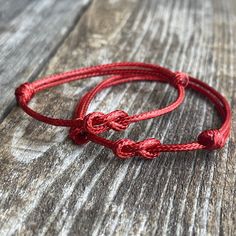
{"x":212,"y":139}
{"x":126,"y":148}
{"x":180,"y":79}
{"x":98,"y":122}
{"x":25,"y":92}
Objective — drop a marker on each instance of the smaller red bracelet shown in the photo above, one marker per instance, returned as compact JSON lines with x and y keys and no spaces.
{"x":118,"y":120}
{"x":149,"y":148}
{"x":120,"y":73}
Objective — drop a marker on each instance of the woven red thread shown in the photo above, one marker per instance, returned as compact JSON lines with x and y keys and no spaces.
{"x":86,"y":127}
{"x":98,"y":122}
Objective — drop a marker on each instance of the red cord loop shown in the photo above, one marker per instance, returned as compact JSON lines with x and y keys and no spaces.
{"x":180,"y":79}
{"x":126,"y":148}
{"x":98,"y":122}
{"x":212,"y":139}
{"x":25,"y":92}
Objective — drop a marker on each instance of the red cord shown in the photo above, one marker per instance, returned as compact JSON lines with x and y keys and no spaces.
{"x":120,"y":73}
{"x":86,"y":127}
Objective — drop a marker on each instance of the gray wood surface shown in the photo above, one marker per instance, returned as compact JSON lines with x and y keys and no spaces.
{"x":30,"y":32}
{"x":49,"y":186}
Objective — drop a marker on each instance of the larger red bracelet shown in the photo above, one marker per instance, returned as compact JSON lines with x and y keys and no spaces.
{"x":86,"y":127}
{"x":120,"y":73}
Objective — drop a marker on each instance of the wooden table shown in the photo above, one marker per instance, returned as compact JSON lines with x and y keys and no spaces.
{"x":50,"y":186}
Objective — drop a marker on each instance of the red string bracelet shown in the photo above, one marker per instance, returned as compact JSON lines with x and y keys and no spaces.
{"x":119,"y":72}
{"x":86,"y":127}
{"x":151,"y":147}
{"x":118,"y":120}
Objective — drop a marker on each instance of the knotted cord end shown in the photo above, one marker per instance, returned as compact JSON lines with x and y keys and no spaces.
{"x":180,"y":79}
{"x":212,"y":139}
{"x":24,"y":92}
{"x":78,"y":136}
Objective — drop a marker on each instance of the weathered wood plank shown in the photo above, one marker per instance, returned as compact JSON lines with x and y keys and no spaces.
{"x":11,"y":9}
{"x":50,"y":186}
{"x":29,"y":35}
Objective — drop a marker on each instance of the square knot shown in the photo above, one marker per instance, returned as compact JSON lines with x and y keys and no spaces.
{"x":126,"y":148}
{"x":98,"y":122}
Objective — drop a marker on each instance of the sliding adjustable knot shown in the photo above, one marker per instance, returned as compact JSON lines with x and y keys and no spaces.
{"x":126,"y":148}
{"x":25,"y":92}
{"x":98,"y":122}
{"x":78,"y":136}
{"x":212,"y":139}
{"x":180,"y":78}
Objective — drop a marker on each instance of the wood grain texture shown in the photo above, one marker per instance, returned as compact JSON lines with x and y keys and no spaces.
{"x":11,"y":9}
{"x":49,"y":186}
{"x":30,"y":32}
